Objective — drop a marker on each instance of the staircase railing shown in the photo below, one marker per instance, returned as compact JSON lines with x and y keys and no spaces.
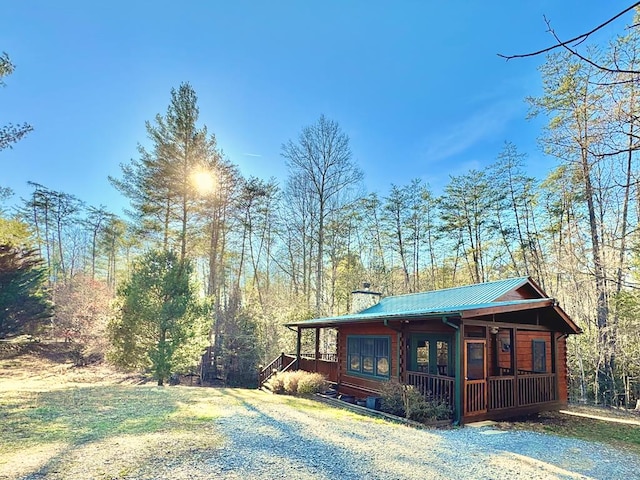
{"x":280,"y":364}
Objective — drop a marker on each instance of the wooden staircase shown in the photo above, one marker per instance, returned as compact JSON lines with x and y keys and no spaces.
{"x":210,"y":373}
{"x":281,"y":363}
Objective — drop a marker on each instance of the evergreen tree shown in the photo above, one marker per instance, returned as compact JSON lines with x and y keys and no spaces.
{"x":161,"y":325}
{"x":10,"y":133}
{"x":24,"y":303}
{"x":160,"y":183}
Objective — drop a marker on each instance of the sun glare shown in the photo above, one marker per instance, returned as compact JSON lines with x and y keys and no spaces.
{"x":203,"y":181}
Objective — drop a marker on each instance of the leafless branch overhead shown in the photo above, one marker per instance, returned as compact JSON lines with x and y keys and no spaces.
{"x":576,"y":40}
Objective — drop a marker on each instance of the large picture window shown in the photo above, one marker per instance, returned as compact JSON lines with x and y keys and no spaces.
{"x":368,"y":355}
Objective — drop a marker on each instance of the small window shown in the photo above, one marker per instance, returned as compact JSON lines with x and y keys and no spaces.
{"x":539,"y":348}
{"x":369,"y":356}
{"x":422,"y":357}
{"x":443,"y":357}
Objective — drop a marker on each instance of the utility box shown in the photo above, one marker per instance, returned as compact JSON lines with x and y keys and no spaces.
{"x":373,"y":403}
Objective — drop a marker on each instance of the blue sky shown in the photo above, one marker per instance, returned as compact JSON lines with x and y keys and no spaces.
{"x":417,"y":85}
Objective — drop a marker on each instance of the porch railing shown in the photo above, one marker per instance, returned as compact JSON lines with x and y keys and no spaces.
{"x":501,"y":392}
{"x":326,"y":364}
{"x":438,"y":388}
{"x":531,"y":389}
{"x":536,"y":388}
{"x":327,"y":357}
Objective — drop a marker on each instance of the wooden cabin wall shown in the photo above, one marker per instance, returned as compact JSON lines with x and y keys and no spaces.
{"x":360,"y":386}
{"x":504,"y":358}
{"x":524,"y":348}
{"x":562,"y":372}
{"x":526,"y":292}
{"x":429,"y":327}
{"x":328,"y":369}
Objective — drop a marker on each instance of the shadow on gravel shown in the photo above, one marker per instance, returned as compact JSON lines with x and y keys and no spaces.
{"x":265,"y":441}
{"x":267,"y":446}
{"x":278,"y":438}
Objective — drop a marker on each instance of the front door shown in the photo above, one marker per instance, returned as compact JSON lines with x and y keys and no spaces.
{"x":475,"y":376}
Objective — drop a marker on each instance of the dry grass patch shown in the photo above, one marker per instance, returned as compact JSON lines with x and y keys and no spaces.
{"x":54,"y":417}
{"x":622,"y":436}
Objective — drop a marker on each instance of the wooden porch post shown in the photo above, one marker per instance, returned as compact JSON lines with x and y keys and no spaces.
{"x":317,"y":347}
{"x":298,"y":348}
{"x":554,"y":364}
{"x":401,"y":361}
{"x":514,"y":362}
{"x":460,"y":385}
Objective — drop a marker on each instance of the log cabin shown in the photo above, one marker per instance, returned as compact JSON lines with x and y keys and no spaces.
{"x":490,"y":351}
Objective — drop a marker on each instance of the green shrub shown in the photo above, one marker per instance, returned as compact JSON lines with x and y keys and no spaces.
{"x":407,"y":401}
{"x":297,"y":382}
{"x":421,"y":410}
{"x":311,"y":383}
{"x":391,"y":398}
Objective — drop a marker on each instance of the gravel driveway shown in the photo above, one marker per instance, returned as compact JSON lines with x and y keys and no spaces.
{"x":268,"y":440}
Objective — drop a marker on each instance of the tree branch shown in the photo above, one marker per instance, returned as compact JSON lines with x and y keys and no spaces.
{"x":579,"y":39}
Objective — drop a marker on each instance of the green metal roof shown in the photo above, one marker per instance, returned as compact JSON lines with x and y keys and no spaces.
{"x":436,"y":302}
{"x":454,"y":311}
{"x":457,"y":297}
{"x":449,"y":302}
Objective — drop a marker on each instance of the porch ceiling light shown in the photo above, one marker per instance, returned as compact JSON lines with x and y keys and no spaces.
{"x":494,"y":330}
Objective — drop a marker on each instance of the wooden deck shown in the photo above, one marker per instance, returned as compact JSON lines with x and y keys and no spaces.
{"x":502,"y":395}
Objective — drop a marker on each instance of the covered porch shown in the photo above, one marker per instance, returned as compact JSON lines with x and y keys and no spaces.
{"x":487,"y":372}
{"x":488,"y":351}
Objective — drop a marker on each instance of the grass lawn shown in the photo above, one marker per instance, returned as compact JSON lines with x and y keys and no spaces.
{"x":91,"y":422}
{"x":57,"y":421}
{"x":54,"y":417}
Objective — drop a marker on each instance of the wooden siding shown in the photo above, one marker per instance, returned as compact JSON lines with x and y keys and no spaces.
{"x":432,"y":326}
{"x":504,"y":358}
{"x":525,"y":292}
{"x":524,"y":349}
{"x":494,"y":347}
{"x":326,"y":368}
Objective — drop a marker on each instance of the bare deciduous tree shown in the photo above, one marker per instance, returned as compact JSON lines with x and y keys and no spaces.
{"x":321,"y":168}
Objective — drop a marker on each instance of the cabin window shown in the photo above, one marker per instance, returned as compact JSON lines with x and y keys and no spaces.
{"x":539,"y":349}
{"x":369,"y":356}
{"x":422,"y":357}
{"x":430,"y":353}
{"x":443,"y":357}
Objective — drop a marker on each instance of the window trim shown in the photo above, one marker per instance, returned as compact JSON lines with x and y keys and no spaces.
{"x":416,"y":338}
{"x":360,"y":373}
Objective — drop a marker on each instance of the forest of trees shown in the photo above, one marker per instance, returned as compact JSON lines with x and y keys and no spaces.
{"x":265,"y":253}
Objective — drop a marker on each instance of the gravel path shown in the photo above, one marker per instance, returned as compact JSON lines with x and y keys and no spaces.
{"x":268,"y":440}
